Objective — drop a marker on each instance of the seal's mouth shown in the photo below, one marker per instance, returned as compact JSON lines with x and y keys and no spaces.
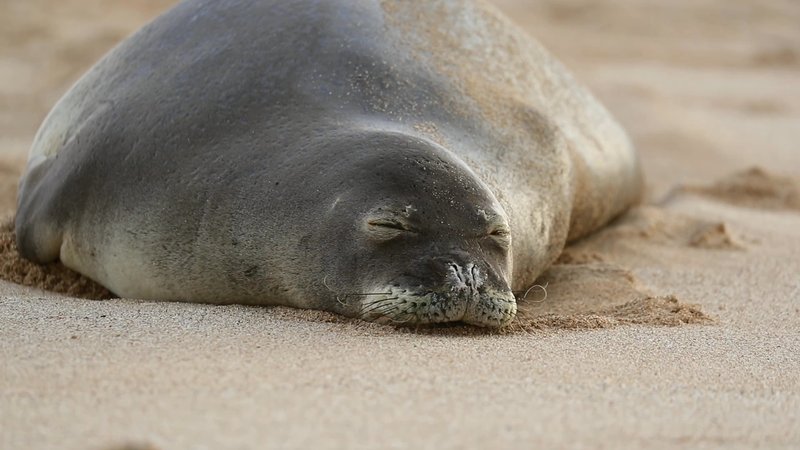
{"x":406,"y":306}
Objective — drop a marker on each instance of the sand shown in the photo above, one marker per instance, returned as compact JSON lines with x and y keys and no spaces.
{"x":676,"y":326}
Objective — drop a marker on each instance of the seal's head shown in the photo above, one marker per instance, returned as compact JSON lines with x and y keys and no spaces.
{"x":426,"y":241}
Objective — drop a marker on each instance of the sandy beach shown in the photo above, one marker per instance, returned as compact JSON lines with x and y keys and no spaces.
{"x":677,"y":326}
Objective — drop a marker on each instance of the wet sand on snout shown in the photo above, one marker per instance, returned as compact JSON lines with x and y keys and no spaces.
{"x":676,"y":326}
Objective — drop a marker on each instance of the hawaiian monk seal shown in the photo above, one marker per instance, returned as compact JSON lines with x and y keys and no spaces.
{"x":405,"y":162}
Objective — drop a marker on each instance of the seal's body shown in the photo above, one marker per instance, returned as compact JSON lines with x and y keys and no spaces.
{"x":400,"y":161}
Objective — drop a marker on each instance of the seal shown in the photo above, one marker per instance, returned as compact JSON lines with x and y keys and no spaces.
{"x":403,"y":162}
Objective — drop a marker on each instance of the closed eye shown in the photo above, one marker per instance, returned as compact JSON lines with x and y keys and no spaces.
{"x":388,"y":223}
{"x":387,"y":229}
{"x":500,"y":236}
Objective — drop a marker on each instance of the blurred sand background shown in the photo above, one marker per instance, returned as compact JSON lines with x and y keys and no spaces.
{"x":614,"y":357}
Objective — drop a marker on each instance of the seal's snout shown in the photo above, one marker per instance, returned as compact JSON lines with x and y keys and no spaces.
{"x":459,"y":275}
{"x":453,"y":289}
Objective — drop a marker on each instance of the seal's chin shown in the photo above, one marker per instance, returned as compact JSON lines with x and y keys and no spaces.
{"x":401,"y":306}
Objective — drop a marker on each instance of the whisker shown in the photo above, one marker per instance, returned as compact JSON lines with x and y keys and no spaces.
{"x":404,"y":317}
{"x":380,"y":300}
{"x":544,"y":288}
{"x":325,"y":283}
{"x":341,"y":298}
{"x":384,"y":311}
{"x":411,"y":317}
{"x":375,"y":305}
{"x":369,"y":293}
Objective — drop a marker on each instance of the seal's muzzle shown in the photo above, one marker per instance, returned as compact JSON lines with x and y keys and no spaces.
{"x":462,"y":293}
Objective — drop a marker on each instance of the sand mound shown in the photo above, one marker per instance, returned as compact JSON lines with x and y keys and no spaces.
{"x":581,"y":289}
{"x":599,"y":295}
{"x":52,"y":277}
{"x":778,"y":56}
{"x":754,"y":188}
{"x":662,"y":311}
{"x":651,"y":226}
{"x":669,"y":228}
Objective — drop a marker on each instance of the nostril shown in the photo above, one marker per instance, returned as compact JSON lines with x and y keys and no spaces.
{"x":459,"y":277}
{"x":453,"y":268}
{"x":473,"y":275}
